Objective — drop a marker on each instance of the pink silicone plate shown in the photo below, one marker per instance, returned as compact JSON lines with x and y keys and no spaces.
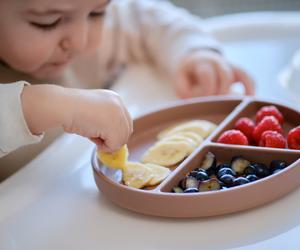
{"x":160,"y":200}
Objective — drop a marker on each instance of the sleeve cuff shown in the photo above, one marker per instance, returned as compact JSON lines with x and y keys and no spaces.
{"x":14,"y":131}
{"x":189,"y":43}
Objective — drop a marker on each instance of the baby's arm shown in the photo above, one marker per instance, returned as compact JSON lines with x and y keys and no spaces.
{"x":28,"y":111}
{"x":176,"y":41}
{"x":156,"y":30}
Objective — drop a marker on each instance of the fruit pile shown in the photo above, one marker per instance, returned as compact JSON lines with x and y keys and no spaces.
{"x":211,"y":176}
{"x":173,"y":146}
{"x":266,"y":131}
{"x":135,"y":174}
{"x":176,"y":143}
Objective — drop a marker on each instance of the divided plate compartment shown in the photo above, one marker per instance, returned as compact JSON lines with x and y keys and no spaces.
{"x":224,"y":111}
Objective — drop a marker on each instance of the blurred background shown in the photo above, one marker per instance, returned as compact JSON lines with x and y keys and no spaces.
{"x":261,"y":36}
{"x":208,"y":8}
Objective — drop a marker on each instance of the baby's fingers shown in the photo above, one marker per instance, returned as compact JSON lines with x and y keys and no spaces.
{"x":196,"y":80}
{"x":225,"y":77}
{"x":110,"y":144}
{"x":242,"y":77}
{"x":181,"y":85}
{"x":128,"y":119}
{"x":101,"y":145}
{"x":205,"y":83}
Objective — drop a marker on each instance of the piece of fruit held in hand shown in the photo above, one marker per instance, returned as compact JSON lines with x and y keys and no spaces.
{"x":294,"y":138}
{"x":116,"y":160}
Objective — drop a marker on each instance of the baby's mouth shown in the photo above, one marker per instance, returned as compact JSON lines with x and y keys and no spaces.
{"x":61,"y":63}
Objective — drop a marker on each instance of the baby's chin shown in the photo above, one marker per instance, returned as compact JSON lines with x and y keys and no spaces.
{"x":49,"y":71}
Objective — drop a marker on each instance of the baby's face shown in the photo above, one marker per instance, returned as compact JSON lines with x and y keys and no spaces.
{"x":40,"y":37}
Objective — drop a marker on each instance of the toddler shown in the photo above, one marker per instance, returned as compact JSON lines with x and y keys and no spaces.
{"x":55,"y":54}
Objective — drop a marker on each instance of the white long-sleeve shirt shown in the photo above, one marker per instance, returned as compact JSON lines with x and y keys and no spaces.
{"x":134,"y":31}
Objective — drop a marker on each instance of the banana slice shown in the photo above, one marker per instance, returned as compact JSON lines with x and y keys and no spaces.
{"x":200,"y":127}
{"x":197,"y":139}
{"x":136,"y":175}
{"x":167,"y":153}
{"x":179,"y":138}
{"x":159,"y":173}
{"x":114,"y":160}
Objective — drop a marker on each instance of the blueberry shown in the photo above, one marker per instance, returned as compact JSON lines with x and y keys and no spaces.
{"x":277,"y":164}
{"x":227,"y":179}
{"x":261,"y":169}
{"x":250,"y":170}
{"x":199,"y":169}
{"x":223,"y":165}
{"x":215,"y":170}
{"x":224,"y":171}
{"x":239,"y":164}
{"x":209,"y":185}
{"x":193,"y":173}
{"x":191,"y":190}
{"x":240,"y":181}
{"x":211,"y":171}
{"x":201,"y":176}
{"x":252,"y":177}
{"x":177,"y":190}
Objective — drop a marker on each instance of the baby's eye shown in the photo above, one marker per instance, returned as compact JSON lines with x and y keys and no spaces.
{"x":46,"y":26}
{"x":96,"y":14}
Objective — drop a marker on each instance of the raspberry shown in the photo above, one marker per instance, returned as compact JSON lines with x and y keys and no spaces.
{"x":246,"y":126}
{"x":233,"y":136}
{"x":294,"y":138}
{"x":268,"y":111}
{"x":267,"y":123}
{"x":272,"y":139}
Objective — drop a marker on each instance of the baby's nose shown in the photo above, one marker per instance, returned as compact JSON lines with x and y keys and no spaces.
{"x":76,"y":41}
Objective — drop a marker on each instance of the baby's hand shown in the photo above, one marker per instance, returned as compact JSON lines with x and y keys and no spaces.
{"x":206,"y":72}
{"x":99,"y":115}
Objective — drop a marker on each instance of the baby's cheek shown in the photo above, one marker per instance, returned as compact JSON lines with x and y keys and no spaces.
{"x":31,"y":54}
{"x":94,"y":39}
